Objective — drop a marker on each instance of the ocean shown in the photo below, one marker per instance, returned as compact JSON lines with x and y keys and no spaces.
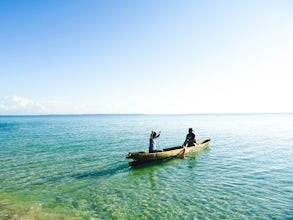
{"x":74,"y":167}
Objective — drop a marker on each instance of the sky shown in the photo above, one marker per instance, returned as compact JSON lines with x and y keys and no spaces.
{"x":146,"y":56}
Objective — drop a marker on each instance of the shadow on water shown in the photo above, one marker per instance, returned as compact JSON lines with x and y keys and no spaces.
{"x":102,"y":173}
{"x":121,"y":168}
{"x":85,"y":175}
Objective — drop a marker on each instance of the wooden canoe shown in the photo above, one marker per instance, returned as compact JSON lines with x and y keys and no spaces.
{"x":144,"y":157}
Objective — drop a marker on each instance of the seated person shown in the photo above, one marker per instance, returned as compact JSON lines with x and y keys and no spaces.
{"x":190,"y":138}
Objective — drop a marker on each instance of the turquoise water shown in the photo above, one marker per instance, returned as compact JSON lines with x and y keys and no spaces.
{"x":74,"y":167}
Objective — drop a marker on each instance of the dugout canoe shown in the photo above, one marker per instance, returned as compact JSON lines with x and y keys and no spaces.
{"x":145,"y":156}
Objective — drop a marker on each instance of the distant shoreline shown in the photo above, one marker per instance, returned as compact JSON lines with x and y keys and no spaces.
{"x":143,"y":114}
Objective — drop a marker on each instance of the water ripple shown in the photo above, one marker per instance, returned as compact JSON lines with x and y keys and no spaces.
{"x":75,"y":167}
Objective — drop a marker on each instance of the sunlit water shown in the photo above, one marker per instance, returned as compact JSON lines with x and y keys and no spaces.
{"x":74,"y":167}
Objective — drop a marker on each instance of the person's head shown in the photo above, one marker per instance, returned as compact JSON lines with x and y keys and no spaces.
{"x":190,"y":130}
{"x":154,"y":134}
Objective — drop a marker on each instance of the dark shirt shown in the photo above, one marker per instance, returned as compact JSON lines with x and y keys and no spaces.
{"x":190,"y":139}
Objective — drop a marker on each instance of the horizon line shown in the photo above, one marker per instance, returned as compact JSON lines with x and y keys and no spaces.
{"x":141,"y":114}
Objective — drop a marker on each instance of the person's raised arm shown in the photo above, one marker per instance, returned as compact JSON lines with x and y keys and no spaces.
{"x":158,"y":134}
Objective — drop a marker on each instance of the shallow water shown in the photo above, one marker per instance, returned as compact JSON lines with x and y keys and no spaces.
{"x":74,"y":167}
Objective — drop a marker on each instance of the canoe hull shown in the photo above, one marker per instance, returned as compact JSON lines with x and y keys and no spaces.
{"x":144,"y":157}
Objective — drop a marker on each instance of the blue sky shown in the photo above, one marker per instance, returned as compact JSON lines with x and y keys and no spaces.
{"x":156,"y":57}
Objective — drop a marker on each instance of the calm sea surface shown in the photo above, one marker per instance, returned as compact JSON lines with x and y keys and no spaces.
{"x":74,"y":167}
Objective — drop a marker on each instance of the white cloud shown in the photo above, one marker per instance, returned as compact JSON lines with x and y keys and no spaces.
{"x":17,"y":105}
{"x":20,"y":105}
{"x":21,"y":101}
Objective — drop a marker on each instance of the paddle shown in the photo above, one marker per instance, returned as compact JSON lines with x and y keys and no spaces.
{"x":182,"y":153}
